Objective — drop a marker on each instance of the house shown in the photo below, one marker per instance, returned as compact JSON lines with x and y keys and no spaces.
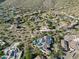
{"x":12,"y":52}
{"x":44,"y":44}
{"x":71,"y":45}
{"x":71,"y":42}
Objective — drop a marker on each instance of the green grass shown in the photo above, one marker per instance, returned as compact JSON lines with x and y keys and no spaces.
{"x":28,"y":54}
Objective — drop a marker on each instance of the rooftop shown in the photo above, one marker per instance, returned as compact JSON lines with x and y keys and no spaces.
{"x":12,"y":52}
{"x":43,"y":43}
{"x":73,"y":41}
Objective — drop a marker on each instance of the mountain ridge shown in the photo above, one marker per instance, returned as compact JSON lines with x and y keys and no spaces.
{"x":68,"y":6}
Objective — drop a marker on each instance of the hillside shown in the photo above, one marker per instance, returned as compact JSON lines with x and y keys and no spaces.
{"x":18,"y":24}
{"x":68,"y":6}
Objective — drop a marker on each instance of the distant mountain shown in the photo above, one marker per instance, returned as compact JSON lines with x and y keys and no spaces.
{"x":36,"y":4}
{"x":68,"y":6}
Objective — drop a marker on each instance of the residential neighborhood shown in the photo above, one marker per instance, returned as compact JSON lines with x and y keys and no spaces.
{"x":31,"y":29}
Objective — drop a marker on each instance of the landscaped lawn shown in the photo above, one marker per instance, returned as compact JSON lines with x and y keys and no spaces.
{"x":28,"y":54}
